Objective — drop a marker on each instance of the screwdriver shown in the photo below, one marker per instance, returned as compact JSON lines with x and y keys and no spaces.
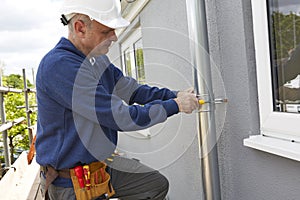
{"x":87,"y":176}
{"x":79,"y":174}
{"x":202,"y":101}
{"x":102,"y":175}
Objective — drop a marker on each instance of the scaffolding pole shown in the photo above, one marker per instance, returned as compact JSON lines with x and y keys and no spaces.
{"x":28,"y":111}
{"x":4,"y":133}
{"x":7,"y":125}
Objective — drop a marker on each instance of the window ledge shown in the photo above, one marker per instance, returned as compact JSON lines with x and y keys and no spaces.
{"x":275,"y":146}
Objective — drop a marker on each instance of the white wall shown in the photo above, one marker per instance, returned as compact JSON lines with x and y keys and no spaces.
{"x":245,"y":173}
{"x":173,"y":149}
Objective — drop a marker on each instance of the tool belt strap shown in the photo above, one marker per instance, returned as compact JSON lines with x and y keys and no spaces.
{"x":51,"y":174}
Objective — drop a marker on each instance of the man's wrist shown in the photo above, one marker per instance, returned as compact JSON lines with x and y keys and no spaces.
{"x":176,"y":92}
{"x":178,"y":104}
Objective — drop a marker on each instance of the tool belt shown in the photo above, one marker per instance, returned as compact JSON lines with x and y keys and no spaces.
{"x":51,"y":174}
{"x":89,"y":181}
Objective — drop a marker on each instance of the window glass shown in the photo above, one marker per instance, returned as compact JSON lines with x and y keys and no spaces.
{"x":139,"y":60}
{"x":133,"y":56}
{"x":284,"y":26}
{"x":128,"y":63}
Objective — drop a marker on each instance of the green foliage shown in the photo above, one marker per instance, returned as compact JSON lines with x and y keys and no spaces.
{"x":2,"y":159}
{"x":18,"y":134}
{"x":128,"y":63}
{"x":140,"y":65}
{"x":15,"y":81}
{"x":286,"y":33}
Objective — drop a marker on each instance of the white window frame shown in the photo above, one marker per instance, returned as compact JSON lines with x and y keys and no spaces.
{"x":128,"y":43}
{"x":130,"y":11}
{"x":280,"y":131}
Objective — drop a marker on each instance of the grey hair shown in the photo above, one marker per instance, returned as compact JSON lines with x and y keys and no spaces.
{"x":84,"y":18}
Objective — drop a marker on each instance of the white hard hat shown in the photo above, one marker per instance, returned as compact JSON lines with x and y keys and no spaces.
{"x":106,"y":12}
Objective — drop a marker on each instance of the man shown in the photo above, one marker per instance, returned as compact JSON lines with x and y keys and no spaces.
{"x":83,"y":100}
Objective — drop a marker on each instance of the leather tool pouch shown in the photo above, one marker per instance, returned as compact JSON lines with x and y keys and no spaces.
{"x":98,"y":187}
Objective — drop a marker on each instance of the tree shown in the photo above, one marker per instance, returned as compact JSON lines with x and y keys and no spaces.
{"x":286,"y":33}
{"x":15,"y":81}
{"x":18,"y":135}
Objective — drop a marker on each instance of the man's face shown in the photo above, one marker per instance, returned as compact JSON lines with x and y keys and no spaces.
{"x":99,"y":38}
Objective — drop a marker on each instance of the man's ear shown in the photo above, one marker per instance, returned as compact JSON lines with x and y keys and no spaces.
{"x":79,"y":28}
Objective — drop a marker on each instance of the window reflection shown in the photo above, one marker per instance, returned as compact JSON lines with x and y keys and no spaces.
{"x":284,"y":18}
{"x":128,"y":62}
{"x":133,"y":57}
{"x":139,"y":59}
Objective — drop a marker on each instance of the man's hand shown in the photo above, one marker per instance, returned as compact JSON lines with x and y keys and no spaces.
{"x":187,"y":102}
{"x":189,"y":90}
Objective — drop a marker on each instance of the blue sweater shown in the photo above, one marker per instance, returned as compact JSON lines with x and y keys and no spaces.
{"x":83,"y":103}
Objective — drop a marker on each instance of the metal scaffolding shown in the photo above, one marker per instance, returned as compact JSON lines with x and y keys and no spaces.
{"x":6,"y":125}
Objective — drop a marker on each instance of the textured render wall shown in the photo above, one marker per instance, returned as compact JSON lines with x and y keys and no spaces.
{"x":246,"y":173}
{"x":167,"y":58}
{"x":114,"y":55}
{"x":173,"y":147}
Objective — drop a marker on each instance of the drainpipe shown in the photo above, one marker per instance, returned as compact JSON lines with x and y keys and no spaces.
{"x":200,"y":59}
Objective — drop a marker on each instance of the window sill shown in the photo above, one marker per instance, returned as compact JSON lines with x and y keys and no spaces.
{"x":275,"y":146}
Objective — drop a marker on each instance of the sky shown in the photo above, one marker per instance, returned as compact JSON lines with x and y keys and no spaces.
{"x":28,"y":30}
{"x":286,"y":6}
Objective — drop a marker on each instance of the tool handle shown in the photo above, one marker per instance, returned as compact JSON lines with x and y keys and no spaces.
{"x":96,"y":177}
{"x":87,"y":176}
{"x":102,"y":174}
{"x":201,"y":101}
{"x":81,"y":182}
{"x":79,"y":174}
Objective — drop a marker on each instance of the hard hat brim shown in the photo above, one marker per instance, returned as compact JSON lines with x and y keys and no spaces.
{"x":116,"y":23}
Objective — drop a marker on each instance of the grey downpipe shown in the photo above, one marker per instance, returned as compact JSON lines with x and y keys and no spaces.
{"x":200,"y":59}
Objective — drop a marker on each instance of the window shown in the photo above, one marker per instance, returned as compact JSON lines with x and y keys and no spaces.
{"x":276,"y":25}
{"x":133,"y":62}
{"x":133,"y":56}
{"x":139,"y":60}
{"x":276,"y":29}
{"x":284,"y":26}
